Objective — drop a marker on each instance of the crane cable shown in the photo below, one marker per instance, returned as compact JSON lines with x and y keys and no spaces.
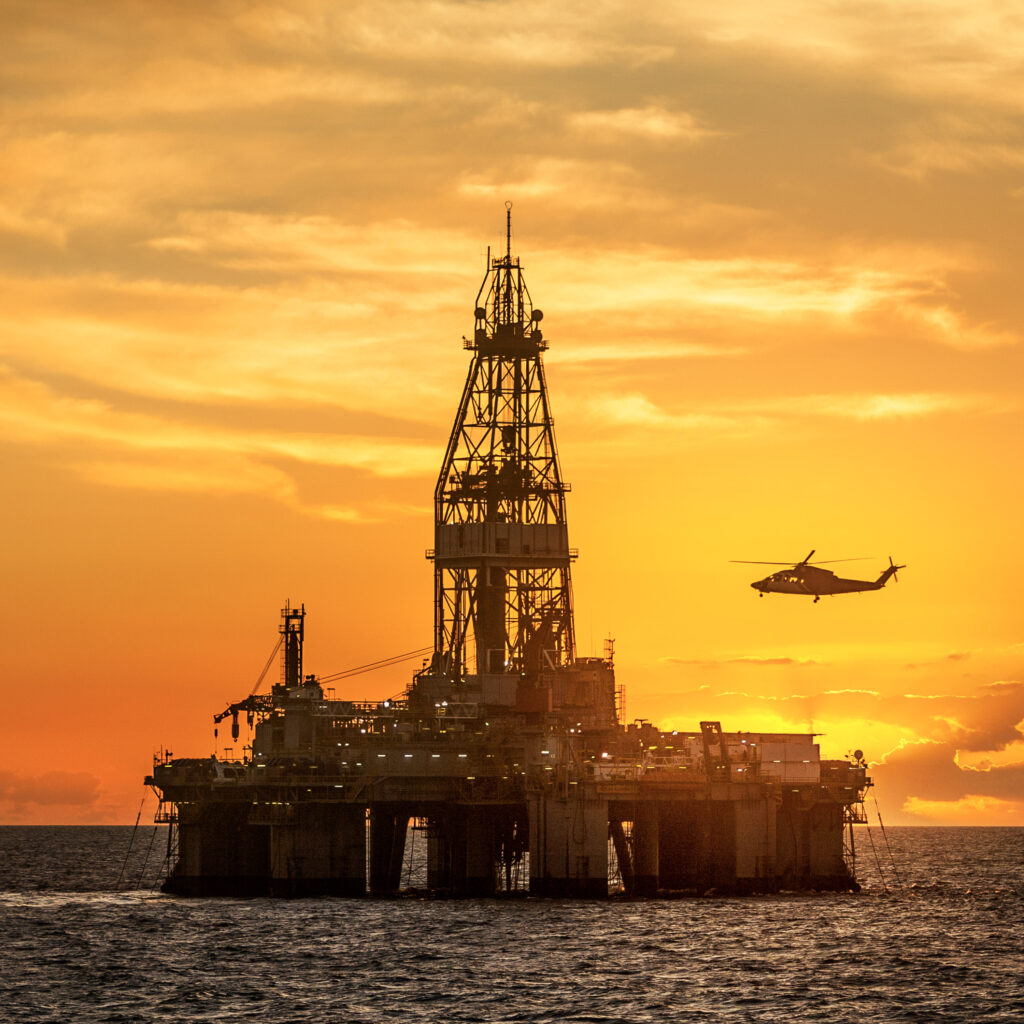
{"x":383,"y":664}
{"x":357,"y":670}
{"x":372,"y":666}
{"x":266,"y":668}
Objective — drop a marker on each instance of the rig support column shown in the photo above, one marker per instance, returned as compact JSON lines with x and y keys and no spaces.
{"x":697,"y":847}
{"x":645,"y":850}
{"x":461,"y":852}
{"x":219,"y":853}
{"x":480,"y":853}
{"x":387,"y":848}
{"x":755,"y":842}
{"x":320,"y":851}
{"x":825,"y":847}
{"x":792,"y":844}
{"x":439,"y":853}
{"x":623,"y":854}
{"x":569,"y":846}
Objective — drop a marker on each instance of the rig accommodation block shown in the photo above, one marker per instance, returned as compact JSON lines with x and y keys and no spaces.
{"x":506,"y":750}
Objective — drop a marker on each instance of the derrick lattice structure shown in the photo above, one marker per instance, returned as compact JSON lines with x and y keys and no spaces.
{"x":503,"y":595}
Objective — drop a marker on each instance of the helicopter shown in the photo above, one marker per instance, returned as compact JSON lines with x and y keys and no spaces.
{"x":805,"y":577}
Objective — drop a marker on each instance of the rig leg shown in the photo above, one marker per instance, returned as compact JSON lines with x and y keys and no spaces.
{"x":388,"y":825}
{"x":569,"y":846}
{"x":319,"y":851}
{"x":645,"y":849}
{"x":623,"y":854}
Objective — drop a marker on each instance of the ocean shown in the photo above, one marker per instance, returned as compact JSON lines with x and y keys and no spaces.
{"x":935,"y":935}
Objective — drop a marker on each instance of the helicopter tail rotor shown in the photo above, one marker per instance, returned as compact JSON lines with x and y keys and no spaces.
{"x":891,"y":571}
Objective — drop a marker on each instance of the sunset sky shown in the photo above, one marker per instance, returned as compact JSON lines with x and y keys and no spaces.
{"x":778,"y":248}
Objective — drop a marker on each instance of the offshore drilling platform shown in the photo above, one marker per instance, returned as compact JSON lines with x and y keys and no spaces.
{"x":506,"y":749}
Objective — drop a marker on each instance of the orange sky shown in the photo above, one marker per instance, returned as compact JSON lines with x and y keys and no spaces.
{"x":777,"y":247}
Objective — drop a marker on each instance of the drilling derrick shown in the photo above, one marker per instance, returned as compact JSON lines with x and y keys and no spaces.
{"x":502,"y":590}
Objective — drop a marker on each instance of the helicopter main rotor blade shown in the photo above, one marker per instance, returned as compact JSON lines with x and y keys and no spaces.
{"x":832,"y":561}
{"x":744,"y":561}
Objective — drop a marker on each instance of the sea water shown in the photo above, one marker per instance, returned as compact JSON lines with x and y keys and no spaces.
{"x":936,"y":935}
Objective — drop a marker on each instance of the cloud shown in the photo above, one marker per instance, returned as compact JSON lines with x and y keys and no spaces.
{"x":525,"y":35}
{"x":51,"y":789}
{"x":955,"y":143}
{"x":750,"y":660}
{"x":652,"y":122}
{"x":743,"y":285}
{"x":188,"y":85}
{"x":635,"y":410}
{"x":1010,"y":651}
{"x":299,"y":342}
{"x":742,"y":419}
{"x":575,"y":183}
{"x":879,"y":406}
{"x":35,"y":413}
{"x":945,"y":50}
{"x":946,"y":326}
{"x":195,"y":472}
{"x":908,"y":289}
{"x":889,"y":406}
{"x":927,"y":772}
{"x":967,"y":810}
{"x":310,"y":46}
{"x":1003,"y":686}
{"x":17,"y":221}
{"x":769,"y":660}
{"x":980,"y":723}
{"x":113,"y":447}
{"x":301,"y":244}
{"x":743,"y":660}
{"x":632,"y":353}
{"x":204,"y":473}
{"x":368,"y":290}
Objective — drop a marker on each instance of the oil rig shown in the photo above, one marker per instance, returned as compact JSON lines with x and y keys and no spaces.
{"x":506,"y":751}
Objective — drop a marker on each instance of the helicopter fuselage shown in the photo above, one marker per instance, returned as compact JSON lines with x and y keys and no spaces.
{"x":815,"y":582}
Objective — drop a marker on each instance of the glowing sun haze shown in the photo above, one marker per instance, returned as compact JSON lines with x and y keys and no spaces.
{"x":778,"y":248}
